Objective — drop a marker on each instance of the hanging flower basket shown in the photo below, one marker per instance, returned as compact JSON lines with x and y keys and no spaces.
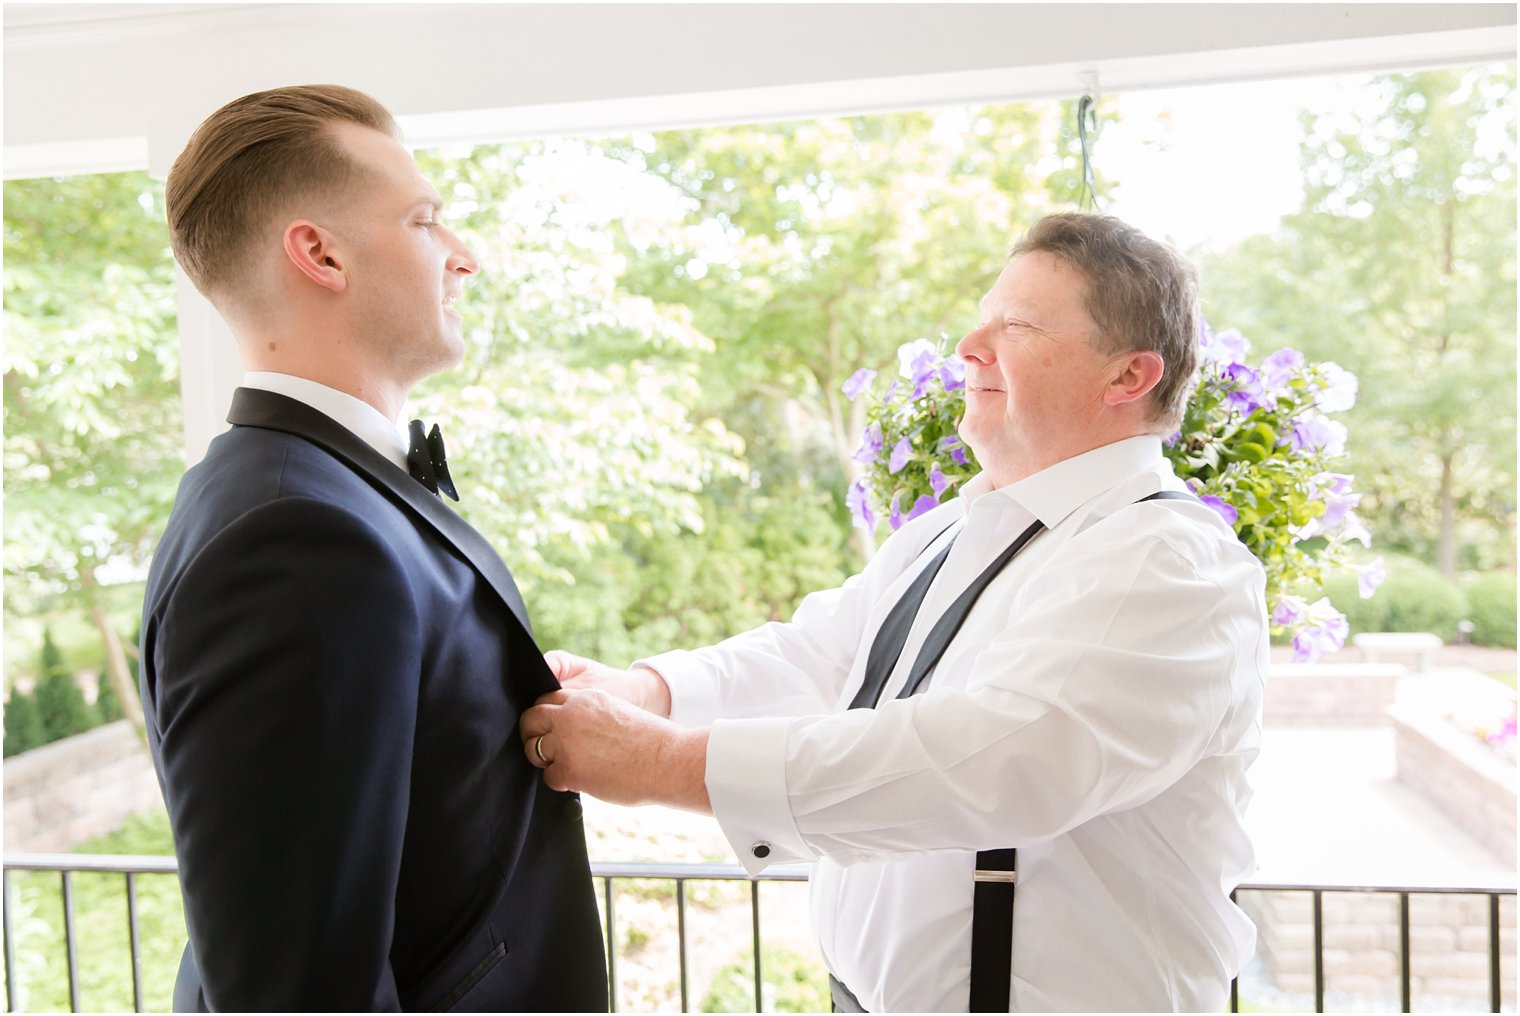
{"x":1257,"y":445}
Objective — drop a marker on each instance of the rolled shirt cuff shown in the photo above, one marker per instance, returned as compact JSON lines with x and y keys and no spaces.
{"x":746,"y":783}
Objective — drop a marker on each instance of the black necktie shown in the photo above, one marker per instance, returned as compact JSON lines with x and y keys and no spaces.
{"x":426,"y":462}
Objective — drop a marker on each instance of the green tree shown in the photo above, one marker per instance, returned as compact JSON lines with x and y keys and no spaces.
{"x":1401,"y":267}
{"x":107,"y":705}
{"x":60,"y":703}
{"x":23,"y":724}
{"x":824,"y":245}
{"x":574,"y":409}
{"x":93,"y":439}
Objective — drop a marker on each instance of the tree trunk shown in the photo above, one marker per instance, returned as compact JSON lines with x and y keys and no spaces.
{"x":1446,"y":539}
{"x":1446,"y":536}
{"x":116,"y":657}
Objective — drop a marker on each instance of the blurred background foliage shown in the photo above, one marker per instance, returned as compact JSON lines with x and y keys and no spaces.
{"x":649,"y":424}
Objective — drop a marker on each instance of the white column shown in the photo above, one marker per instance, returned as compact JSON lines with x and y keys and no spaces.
{"x":209,"y":367}
{"x":209,"y":364}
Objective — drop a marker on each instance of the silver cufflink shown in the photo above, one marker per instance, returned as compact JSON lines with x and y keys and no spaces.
{"x":761,"y":849}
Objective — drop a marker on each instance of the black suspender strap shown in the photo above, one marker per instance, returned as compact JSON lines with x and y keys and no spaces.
{"x":996,"y":878}
{"x":992,"y":930}
{"x":950,"y":622}
{"x":887,"y":647}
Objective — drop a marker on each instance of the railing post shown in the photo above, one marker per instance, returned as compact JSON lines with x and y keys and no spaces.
{"x":1234,"y":981}
{"x":754,"y":909}
{"x":1495,"y":996}
{"x":681,"y":936}
{"x":1404,"y":978}
{"x":137,"y":1003}
{"x":1319,"y":951}
{"x":611,"y":949}
{"x":68,"y":939}
{"x":9,"y":945}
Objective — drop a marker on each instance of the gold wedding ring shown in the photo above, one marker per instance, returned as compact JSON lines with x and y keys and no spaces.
{"x":538,"y":749}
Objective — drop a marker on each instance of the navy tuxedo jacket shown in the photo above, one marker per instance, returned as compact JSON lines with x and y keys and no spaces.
{"x":333,"y":666}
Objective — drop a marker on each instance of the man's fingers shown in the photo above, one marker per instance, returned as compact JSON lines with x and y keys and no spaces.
{"x":553,"y":698}
{"x":537,"y":720}
{"x":561,"y":663}
{"x":539,"y":754}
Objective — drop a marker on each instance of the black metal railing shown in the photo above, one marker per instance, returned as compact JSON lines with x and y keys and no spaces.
{"x":129,"y":867}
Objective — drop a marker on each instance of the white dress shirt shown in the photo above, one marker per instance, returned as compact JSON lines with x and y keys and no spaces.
{"x":364,"y":420}
{"x":1097,"y":710}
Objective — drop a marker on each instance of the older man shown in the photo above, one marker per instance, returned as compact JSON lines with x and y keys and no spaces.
{"x":1016,"y":743}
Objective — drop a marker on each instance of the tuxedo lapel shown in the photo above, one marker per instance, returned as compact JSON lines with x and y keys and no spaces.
{"x":255,"y":408}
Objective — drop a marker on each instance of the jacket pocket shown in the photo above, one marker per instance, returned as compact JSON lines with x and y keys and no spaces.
{"x":471,"y":979}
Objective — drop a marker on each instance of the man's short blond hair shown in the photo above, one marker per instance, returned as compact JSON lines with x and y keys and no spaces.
{"x":1141,"y":294}
{"x":248,"y":162}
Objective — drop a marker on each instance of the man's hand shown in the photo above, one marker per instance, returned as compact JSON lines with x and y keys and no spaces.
{"x":592,"y":741}
{"x":642,"y":686}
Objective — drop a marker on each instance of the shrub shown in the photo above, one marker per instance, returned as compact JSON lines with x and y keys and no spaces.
{"x":107,"y":704}
{"x":23,"y":725}
{"x":59,"y":700}
{"x":1491,"y":609}
{"x":1414,"y":597}
{"x":790,"y":982}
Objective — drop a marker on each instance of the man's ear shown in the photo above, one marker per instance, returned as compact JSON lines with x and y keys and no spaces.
{"x":311,"y":249}
{"x":1132,"y":376}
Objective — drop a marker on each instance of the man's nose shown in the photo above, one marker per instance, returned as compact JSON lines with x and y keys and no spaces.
{"x":973,"y":346}
{"x":461,"y":260}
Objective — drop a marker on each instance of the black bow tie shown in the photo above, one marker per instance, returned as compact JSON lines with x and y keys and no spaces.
{"x":425,"y":461}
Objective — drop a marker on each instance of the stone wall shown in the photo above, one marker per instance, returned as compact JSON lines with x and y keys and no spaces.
{"x":1448,"y":947}
{"x":1330,"y":694}
{"x":1463,"y":779}
{"x":63,"y":793}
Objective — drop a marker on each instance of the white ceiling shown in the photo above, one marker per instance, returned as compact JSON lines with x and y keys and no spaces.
{"x":103,"y":86}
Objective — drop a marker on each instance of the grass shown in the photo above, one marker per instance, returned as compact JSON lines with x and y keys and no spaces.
{"x":102,"y":946}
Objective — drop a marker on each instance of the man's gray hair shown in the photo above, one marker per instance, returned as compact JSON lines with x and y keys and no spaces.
{"x":1140,"y":293}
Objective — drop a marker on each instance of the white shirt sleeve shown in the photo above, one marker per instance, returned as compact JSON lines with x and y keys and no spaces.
{"x":1110,"y":679}
{"x":799,"y":668}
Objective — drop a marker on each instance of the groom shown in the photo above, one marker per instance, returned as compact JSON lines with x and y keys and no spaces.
{"x":333,"y":661}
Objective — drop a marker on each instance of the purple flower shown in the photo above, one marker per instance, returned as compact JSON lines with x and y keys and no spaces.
{"x":1280,"y":368}
{"x":1290,"y":610}
{"x":1247,"y":396}
{"x":902,"y":454}
{"x":1317,"y":433}
{"x":1369,"y":577}
{"x":1335,"y":490}
{"x":1325,"y":632}
{"x":895,"y":519}
{"x":870,"y":444}
{"x":855,"y":499}
{"x":923,"y":504}
{"x":916,"y":359}
{"x":1339,"y":393}
{"x":1226,"y":511}
{"x":1227,"y":348}
{"x":952,"y":373}
{"x":958,"y":455}
{"x":1353,"y":529}
{"x":937,"y":482}
{"x":891,"y":392}
{"x":858,"y":382}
